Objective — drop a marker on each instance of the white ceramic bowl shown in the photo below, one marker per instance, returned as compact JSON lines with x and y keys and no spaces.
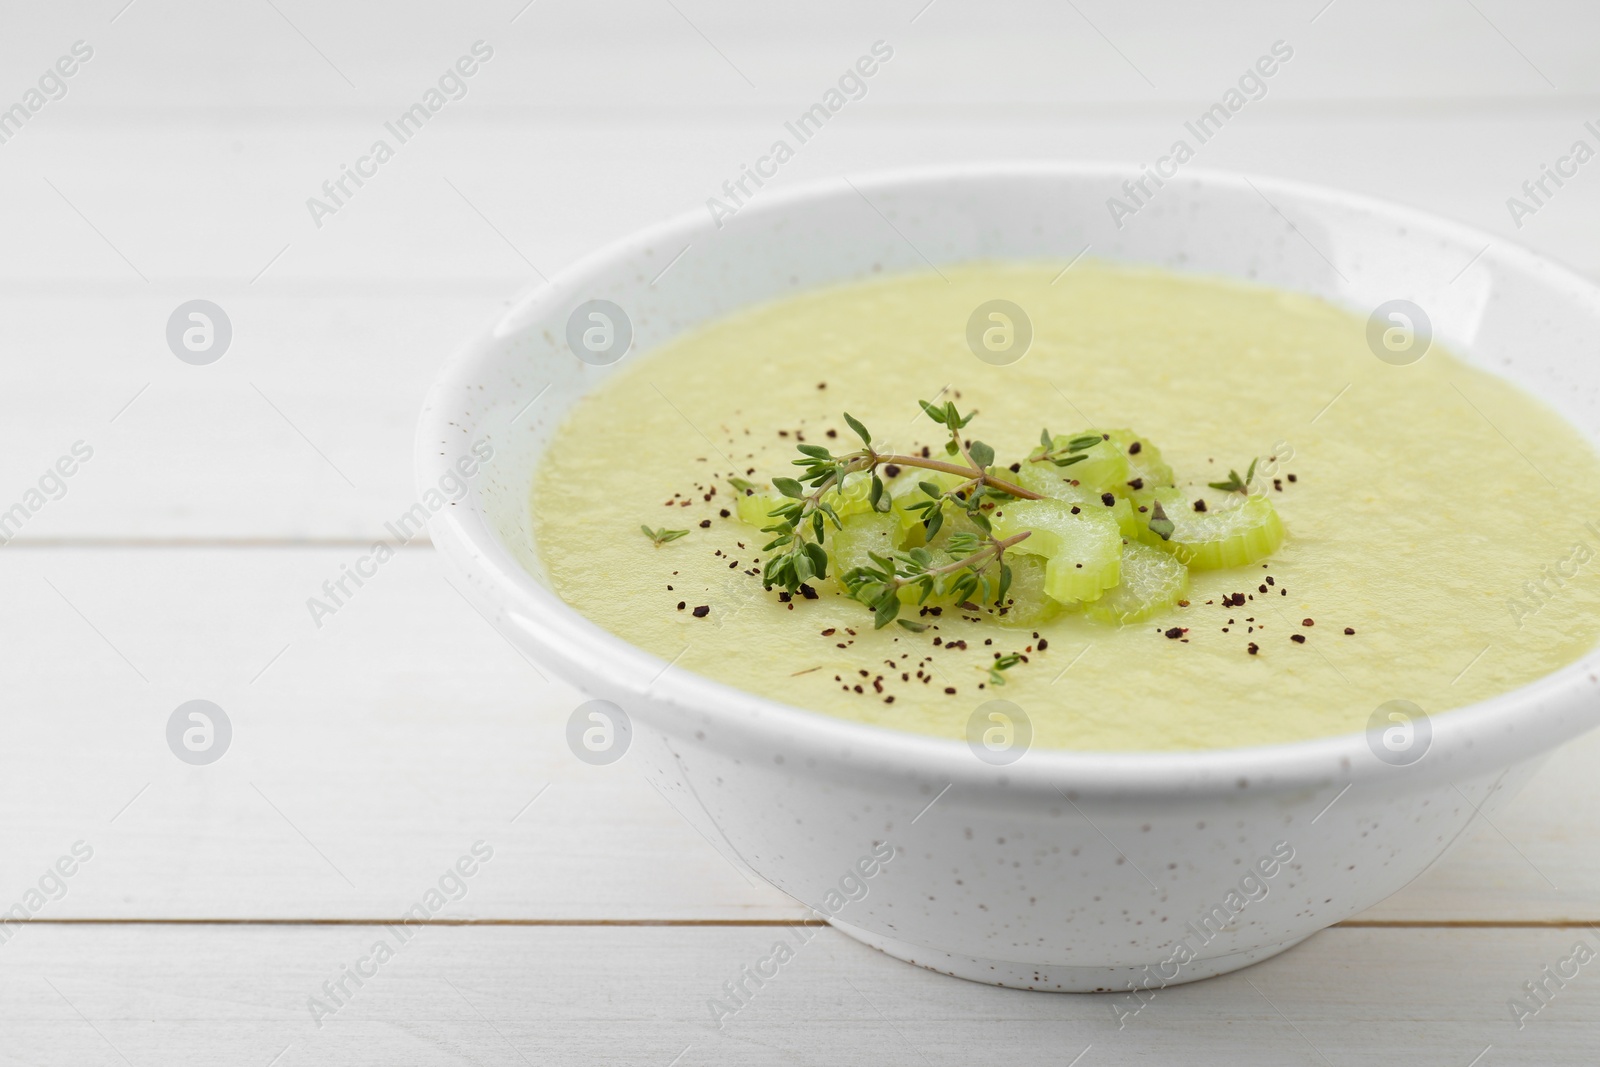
{"x":1063,"y":870}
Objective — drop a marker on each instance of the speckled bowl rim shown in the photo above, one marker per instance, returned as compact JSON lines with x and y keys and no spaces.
{"x":1503,"y":730}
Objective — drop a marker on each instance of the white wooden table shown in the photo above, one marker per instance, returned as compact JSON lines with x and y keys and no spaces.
{"x":368,"y":754}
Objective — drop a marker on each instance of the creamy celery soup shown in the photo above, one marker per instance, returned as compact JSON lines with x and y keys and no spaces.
{"x":1194,"y":514}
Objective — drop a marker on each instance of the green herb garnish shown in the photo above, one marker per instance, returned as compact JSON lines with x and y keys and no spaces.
{"x":1234,"y":484}
{"x":1160,"y":525}
{"x":663,"y":535}
{"x":800,"y":523}
{"x":1004,"y":663}
{"x":1065,"y":454}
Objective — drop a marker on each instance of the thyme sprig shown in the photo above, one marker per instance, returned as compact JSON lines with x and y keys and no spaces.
{"x":878,"y":586}
{"x":1003,"y":663}
{"x":1065,"y":454}
{"x":800,"y":523}
{"x":663,"y":535}
{"x":1236,"y":485}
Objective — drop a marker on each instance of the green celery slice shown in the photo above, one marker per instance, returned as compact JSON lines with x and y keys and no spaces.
{"x":1104,"y":466}
{"x":1233,"y":530}
{"x":1083,"y":551}
{"x":853,"y":498}
{"x":862,"y":533}
{"x":1027,"y":603}
{"x":1144,"y":465}
{"x":1046,"y":479}
{"x":1152,"y":580}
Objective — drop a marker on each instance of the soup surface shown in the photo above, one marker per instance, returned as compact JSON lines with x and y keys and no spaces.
{"x":1439,"y":544}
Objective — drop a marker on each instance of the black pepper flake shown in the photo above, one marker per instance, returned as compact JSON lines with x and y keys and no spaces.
{"x":1261,"y":589}
{"x":783,"y":598}
{"x":705,"y":524}
{"x":723,"y":513}
{"x":1270,"y":580}
{"x":1252,"y":648}
{"x":1298,"y":639}
{"x":950,"y":689}
{"x":1174,"y":633}
{"x":682,"y":604}
{"x":808,"y":592}
{"x":1015,"y":468}
{"x":1108,"y":499}
{"x":702,"y":611}
{"x":1293,"y":478}
{"x":829,"y":632}
{"x":892,"y":470}
{"x":1043,"y":644}
{"x":1348,"y":631}
{"x":1135,"y":448}
{"x":1136,"y":483}
{"x":1076,"y":510}
{"x":1308,"y":622}
{"x":925,"y":452}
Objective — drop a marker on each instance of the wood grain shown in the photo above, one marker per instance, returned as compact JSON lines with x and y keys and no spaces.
{"x":452,"y":995}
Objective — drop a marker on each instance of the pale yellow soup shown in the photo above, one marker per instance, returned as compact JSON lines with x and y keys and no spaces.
{"x":1421,"y":512}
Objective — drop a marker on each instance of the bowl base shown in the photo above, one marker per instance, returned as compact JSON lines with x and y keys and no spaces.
{"x":1059,"y":978}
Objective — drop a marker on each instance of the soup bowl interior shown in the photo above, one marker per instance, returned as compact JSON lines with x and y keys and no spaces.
{"x":1059,"y":870}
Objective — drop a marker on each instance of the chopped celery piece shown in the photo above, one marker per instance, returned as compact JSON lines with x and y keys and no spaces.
{"x":1145,"y":464}
{"x":1233,"y":530}
{"x":862,"y":533}
{"x":1082,"y":551}
{"x":1103,"y":466}
{"x":1027,"y":604}
{"x":756,"y":508}
{"x":1046,"y":479}
{"x":853,"y":498}
{"x":1151,"y":580}
{"x":907,"y":490}
{"x":876,"y":532}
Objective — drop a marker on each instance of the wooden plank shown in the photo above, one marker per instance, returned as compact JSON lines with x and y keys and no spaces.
{"x":632,"y":995}
{"x":368,"y":753}
{"x":203,"y":207}
{"x":717,"y":51}
{"x":303,"y":429}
